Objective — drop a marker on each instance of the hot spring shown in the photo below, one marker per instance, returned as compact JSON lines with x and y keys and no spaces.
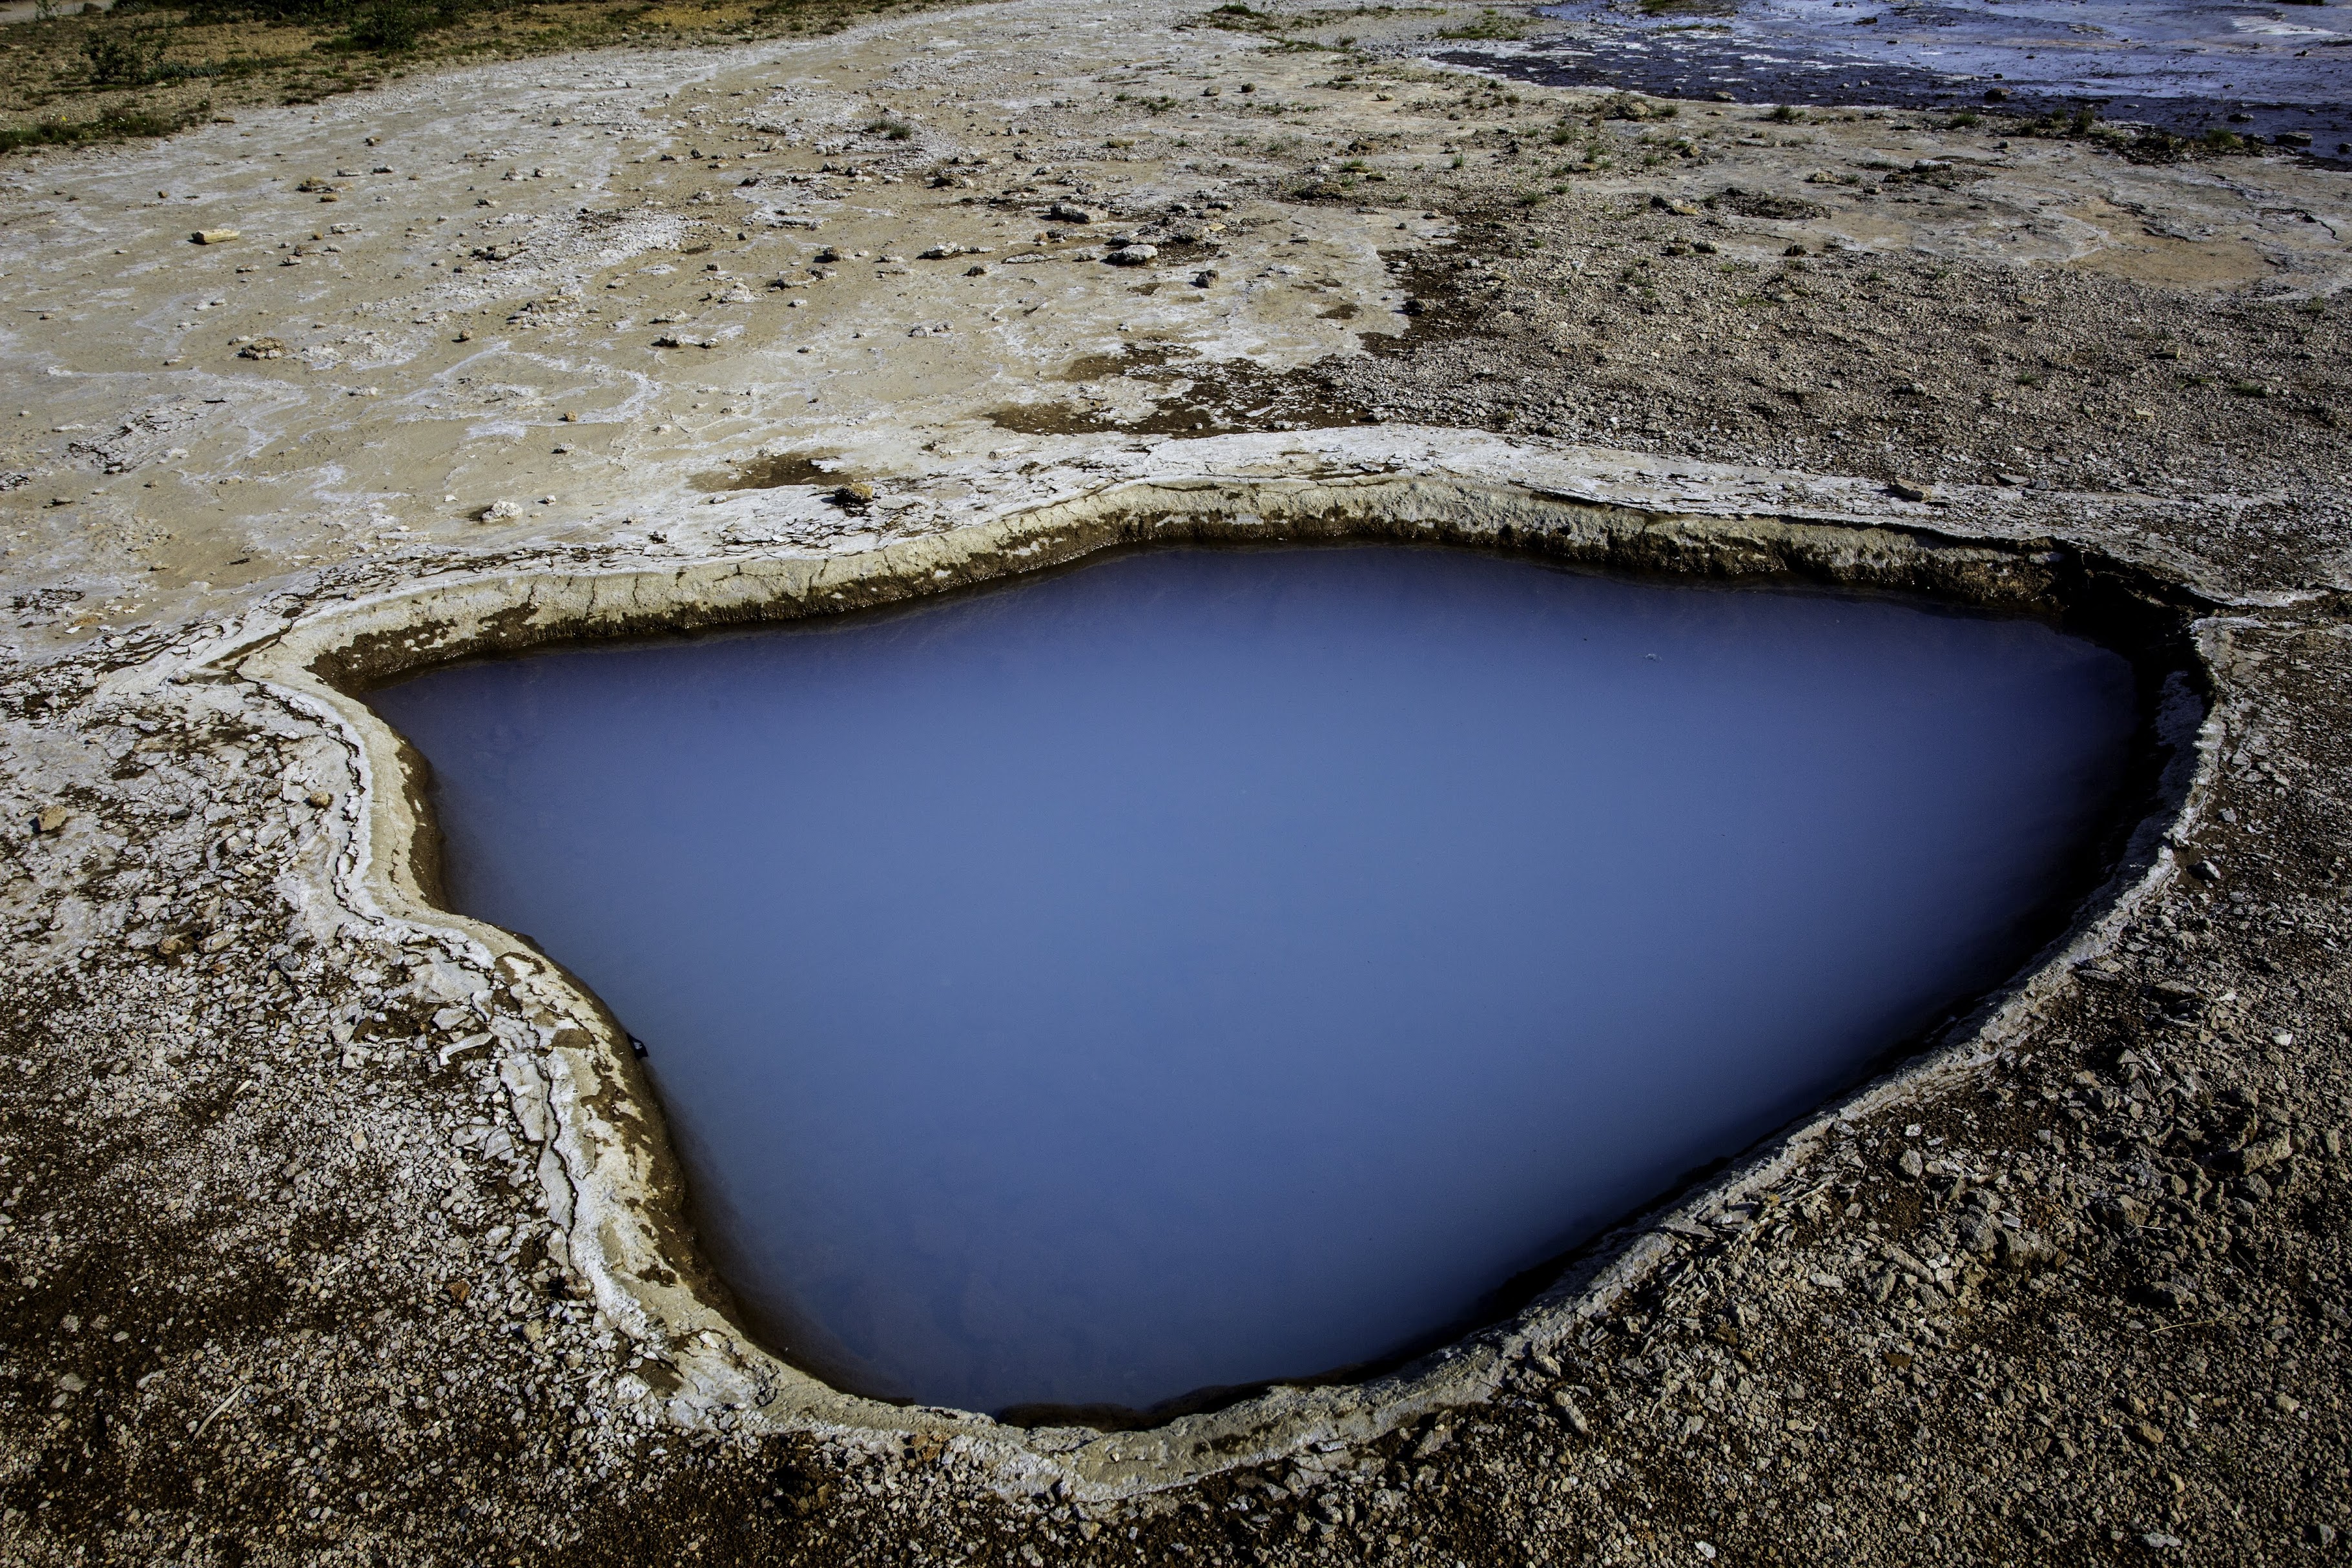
{"x":1096,"y":993}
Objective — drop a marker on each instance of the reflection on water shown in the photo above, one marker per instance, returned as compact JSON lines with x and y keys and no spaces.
{"x":2183,"y":66}
{"x":1209,"y":966}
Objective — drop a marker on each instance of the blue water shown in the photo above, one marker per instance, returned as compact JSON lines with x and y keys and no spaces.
{"x":1207,"y":966}
{"x":2183,"y":66}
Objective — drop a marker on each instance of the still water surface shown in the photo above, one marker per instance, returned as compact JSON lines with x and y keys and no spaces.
{"x":1207,"y":966}
{"x":2183,"y":66}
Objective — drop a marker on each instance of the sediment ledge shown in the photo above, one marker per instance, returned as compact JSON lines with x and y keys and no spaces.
{"x":612,"y":1189}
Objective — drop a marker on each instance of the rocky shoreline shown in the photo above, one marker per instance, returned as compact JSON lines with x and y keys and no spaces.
{"x":304,"y":1256}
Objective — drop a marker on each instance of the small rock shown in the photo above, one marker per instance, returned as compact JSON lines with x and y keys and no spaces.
{"x":2150,"y":1434}
{"x":262,"y":348}
{"x":940,"y":252}
{"x":2262,"y":1153}
{"x":855,"y":493}
{"x":51,"y":819}
{"x":2024,"y":1250}
{"x":213,"y":237}
{"x":1902,"y":491}
{"x":1911,"y":1165}
{"x":1571,"y":1413}
{"x":2123,"y":1212}
{"x":497,"y":510}
{"x":1070,"y":212}
{"x":1132,"y":255}
{"x":2285,"y":1404}
{"x":979,"y":271}
{"x":1415,"y":308}
{"x":1204,"y":278}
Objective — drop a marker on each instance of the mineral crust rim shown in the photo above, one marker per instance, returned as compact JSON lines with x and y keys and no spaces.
{"x":613,"y":1190}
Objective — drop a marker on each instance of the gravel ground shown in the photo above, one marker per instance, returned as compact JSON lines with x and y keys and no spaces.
{"x":287,"y":1276}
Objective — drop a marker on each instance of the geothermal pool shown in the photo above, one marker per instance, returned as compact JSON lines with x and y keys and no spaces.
{"x":1208,"y":966}
{"x":2184,"y":65}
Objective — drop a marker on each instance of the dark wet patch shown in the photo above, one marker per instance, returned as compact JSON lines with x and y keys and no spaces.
{"x":1128,"y":360}
{"x":1765,"y":204}
{"x":1203,"y":399}
{"x":768,"y":473}
{"x":1184,"y":252}
{"x":1943,"y":176}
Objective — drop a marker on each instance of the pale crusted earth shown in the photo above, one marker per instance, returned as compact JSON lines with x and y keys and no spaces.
{"x":282,"y":1277}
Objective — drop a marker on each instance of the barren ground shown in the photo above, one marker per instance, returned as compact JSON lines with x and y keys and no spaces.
{"x":283,"y":1275}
